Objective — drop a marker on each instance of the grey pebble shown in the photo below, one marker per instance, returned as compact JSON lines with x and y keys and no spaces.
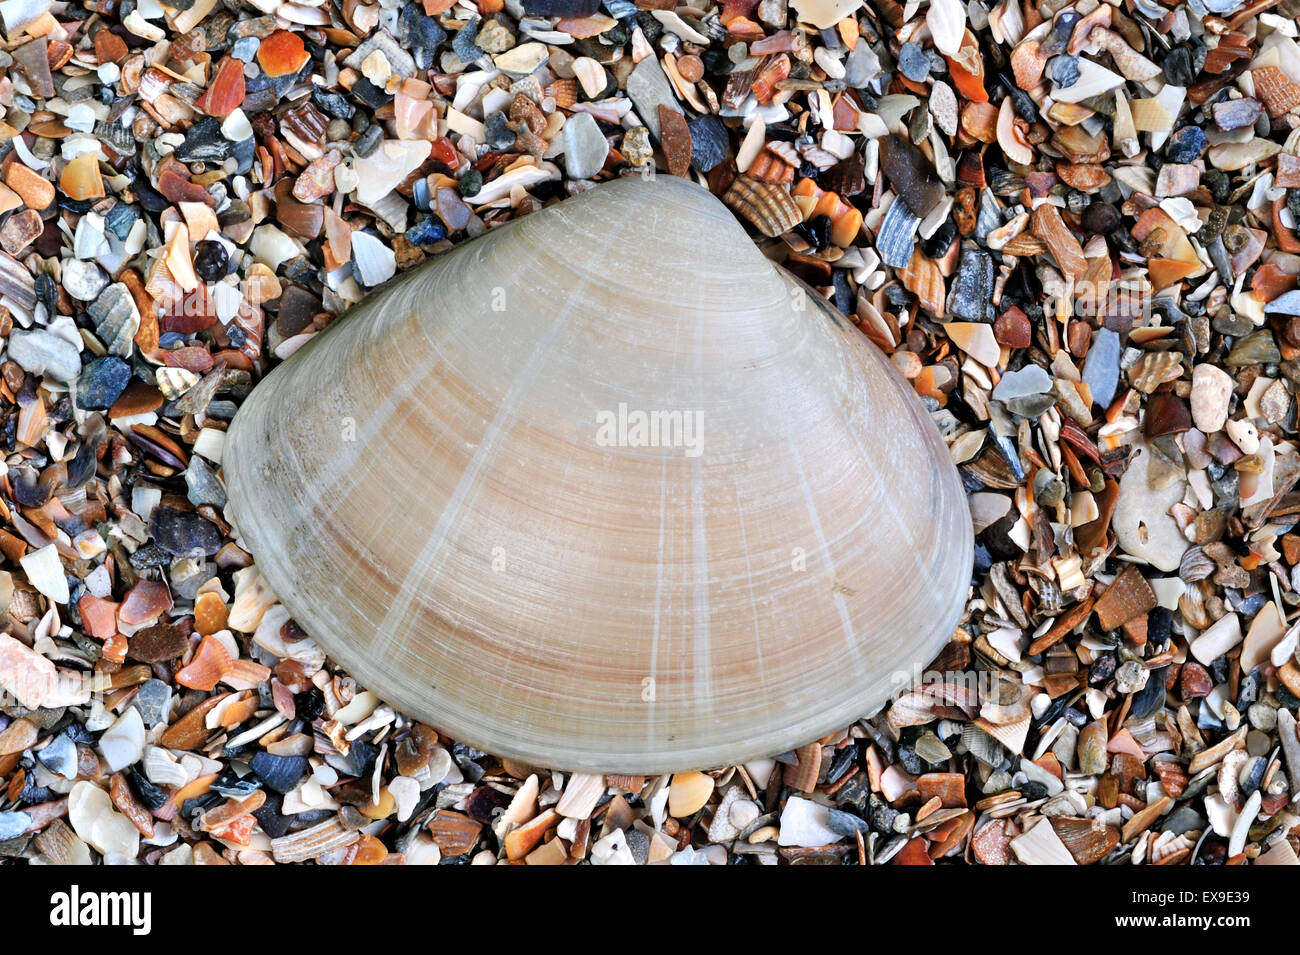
{"x":648,"y":88}
{"x":1101,"y":367}
{"x":203,"y":484}
{"x":972,"y":289}
{"x":913,"y":62}
{"x":44,"y":353}
{"x":153,"y":700}
{"x":83,"y":280}
{"x":585,"y":146}
{"x":59,"y":756}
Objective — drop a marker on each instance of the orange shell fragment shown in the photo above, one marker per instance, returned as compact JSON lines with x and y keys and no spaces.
{"x":210,"y":614}
{"x":770,"y":73}
{"x":1175,"y":244}
{"x":1279,"y":94}
{"x":846,"y":219}
{"x":114,"y":649}
{"x":1027,"y":63}
{"x":1165,"y":272}
{"x":81,"y":179}
{"x":241,"y":708}
{"x":207,"y":667}
{"x":770,"y":167}
{"x":1086,"y":177}
{"x":1269,"y":282}
{"x":967,"y":69}
{"x":980,"y":121}
{"x":238,"y":830}
{"x":244,"y":674}
{"x":924,"y":280}
{"x":98,"y":616}
{"x":282,"y":53}
{"x":369,"y":850}
{"x":1287,"y":240}
{"x":225,"y":92}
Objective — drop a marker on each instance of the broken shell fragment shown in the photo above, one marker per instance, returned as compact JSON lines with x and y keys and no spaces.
{"x":767,"y":205}
{"x":469,"y":511}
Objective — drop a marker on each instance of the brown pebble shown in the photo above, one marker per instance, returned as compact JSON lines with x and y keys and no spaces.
{"x":144,"y":601}
{"x":1194,"y":682}
{"x":948,"y":788}
{"x":1166,"y":414}
{"x":138,"y":398}
{"x":17,"y":736}
{"x":1012,"y":329}
{"x":190,"y":730}
{"x":128,"y":805}
{"x":304,"y":219}
{"x":1128,"y":596}
{"x":455,"y":833}
{"x":178,"y":188}
{"x":1079,"y":338}
{"x":19,"y":230}
{"x":87,"y":763}
{"x":675,"y":140}
{"x":109,"y":47}
{"x":412,"y":753}
{"x":157,"y":644}
{"x":33,"y":188}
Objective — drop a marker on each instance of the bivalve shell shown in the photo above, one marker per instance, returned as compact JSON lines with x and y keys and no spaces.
{"x":608,"y":491}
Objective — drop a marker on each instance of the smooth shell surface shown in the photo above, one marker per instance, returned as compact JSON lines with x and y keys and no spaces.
{"x":447,"y":490}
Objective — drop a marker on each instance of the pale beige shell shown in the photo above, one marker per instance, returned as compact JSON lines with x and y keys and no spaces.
{"x":447,"y":491}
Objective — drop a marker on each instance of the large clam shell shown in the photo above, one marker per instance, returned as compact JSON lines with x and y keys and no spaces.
{"x":446,"y":490}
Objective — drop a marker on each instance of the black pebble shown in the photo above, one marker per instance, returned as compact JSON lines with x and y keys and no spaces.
{"x":308,"y":704}
{"x":360,"y":759}
{"x":1159,"y":627}
{"x":911,"y":762}
{"x":211,"y":260}
{"x":269,"y":818}
{"x":1100,"y":218}
{"x":369,"y":140}
{"x":817,"y":231}
{"x":709,"y":142}
{"x":470,"y":183}
{"x":148,"y":793}
{"x":372,"y":96}
{"x":204,"y":143}
{"x":1102,"y":670}
{"x":333,"y":104}
{"x":281,"y":773}
{"x":1033,"y":790}
{"x":561,"y":8}
{"x":938,"y":243}
{"x":1151,"y":698}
